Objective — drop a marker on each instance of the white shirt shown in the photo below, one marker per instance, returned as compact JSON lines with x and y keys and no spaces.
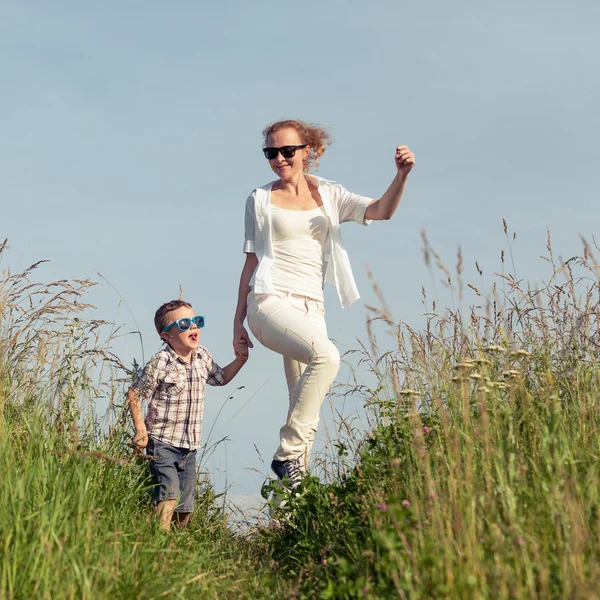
{"x":298,"y":240}
{"x":339,"y":204}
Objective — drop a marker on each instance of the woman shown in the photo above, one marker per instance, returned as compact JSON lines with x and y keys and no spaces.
{"x":293,"y":245}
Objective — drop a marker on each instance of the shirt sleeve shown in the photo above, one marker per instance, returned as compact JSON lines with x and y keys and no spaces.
{"x":250,"y":225}
{"x":147,"y":382}
{"x":352,"y":207}
{"x":215,"y":374}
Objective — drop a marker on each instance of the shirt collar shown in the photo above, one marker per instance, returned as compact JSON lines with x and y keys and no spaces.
{"x":314,"y":179}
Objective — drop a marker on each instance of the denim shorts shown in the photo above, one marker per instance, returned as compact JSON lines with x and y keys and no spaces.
{"x":173,"y":474}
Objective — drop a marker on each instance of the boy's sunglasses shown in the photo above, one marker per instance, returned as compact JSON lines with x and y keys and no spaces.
{"x":185,"y":324}
{"x":286,"y":151}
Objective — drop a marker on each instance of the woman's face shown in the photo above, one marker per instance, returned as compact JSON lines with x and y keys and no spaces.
{"x":287,"y":168}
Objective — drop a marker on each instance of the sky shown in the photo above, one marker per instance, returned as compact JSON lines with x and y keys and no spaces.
{"x":130,"y":137}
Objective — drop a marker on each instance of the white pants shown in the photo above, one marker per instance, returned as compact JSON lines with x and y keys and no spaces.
{"x":295,"y":327}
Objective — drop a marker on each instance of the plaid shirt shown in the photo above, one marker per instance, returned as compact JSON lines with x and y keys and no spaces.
{"x":175,"y":390}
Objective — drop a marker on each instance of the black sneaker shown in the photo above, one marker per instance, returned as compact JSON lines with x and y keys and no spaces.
{"x":290,"y":472}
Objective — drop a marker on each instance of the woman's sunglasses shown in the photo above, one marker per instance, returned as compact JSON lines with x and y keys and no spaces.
{"x":185,"y":324}
{"x":286,"y":151}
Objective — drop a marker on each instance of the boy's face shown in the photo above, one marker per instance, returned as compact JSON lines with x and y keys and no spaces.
{"x":183,"y":342}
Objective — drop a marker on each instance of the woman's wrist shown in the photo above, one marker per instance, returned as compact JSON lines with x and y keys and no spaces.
{"x":401,"y":176}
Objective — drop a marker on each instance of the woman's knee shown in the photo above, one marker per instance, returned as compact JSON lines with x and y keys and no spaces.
{"x":329,"y":357}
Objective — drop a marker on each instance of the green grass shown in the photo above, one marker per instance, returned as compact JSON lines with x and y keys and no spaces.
{"x":479,"y":478}
{"x":75,"y":514}
{"x":481,"y":475}
{"x":74,"y":525}
{"x":504,"y":505}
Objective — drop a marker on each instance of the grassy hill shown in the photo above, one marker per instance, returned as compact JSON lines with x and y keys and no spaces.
{"x":479,"y":479}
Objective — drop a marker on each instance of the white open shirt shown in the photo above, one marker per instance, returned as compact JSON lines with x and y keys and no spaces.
{"x":340,"y":206}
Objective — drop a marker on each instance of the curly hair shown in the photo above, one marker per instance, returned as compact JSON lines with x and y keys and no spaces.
{"x":161,"y":316}
{"x":316,"y":136}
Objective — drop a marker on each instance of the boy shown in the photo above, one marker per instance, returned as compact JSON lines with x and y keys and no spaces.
{"x":174,"y":381}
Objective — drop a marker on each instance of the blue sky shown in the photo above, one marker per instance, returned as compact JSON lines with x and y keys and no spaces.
{"x":130,"y":139}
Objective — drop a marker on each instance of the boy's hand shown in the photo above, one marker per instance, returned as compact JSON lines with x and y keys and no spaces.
{"x":240,"y":336}
{"x":241,"y":351}
{"x":241,"y":342}
{"x":140,"y":439}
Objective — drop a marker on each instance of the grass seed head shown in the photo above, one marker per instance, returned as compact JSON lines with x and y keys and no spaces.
{"x":465,"y":365}
{"x":482,"y":361}
{"x":511,"y":373}
{"x":495,"y":348}
{"x":520,"y":352}
{"x":409,"y":392}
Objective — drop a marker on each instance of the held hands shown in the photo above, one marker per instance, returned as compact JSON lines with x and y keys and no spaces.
{"x":241,"y":352}
{"x":241,"y":343}
{"x":404,"y":159}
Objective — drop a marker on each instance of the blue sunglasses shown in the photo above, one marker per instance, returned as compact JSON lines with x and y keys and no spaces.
{"x":185,"y":324}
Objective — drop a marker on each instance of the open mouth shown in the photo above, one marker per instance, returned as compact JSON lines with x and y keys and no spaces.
{"x":193,"y":337}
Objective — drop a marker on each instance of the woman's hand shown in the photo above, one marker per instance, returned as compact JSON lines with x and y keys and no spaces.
{"x":405,"y":160}
{"x":241,"y":342}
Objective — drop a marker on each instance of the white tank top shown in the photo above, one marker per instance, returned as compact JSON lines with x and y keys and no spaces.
{"x":298,"y":240}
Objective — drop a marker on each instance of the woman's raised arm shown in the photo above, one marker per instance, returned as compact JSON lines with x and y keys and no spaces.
{"x":385,"y":207}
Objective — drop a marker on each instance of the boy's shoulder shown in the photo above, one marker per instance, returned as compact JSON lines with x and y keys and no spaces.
{"x":163,"y":356}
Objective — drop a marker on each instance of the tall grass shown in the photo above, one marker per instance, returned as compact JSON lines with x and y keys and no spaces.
{"x":480,"y":478}
{"x":75,"y":514}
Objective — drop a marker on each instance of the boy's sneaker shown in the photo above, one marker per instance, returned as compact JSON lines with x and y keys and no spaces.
{"x":290,"y":472}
